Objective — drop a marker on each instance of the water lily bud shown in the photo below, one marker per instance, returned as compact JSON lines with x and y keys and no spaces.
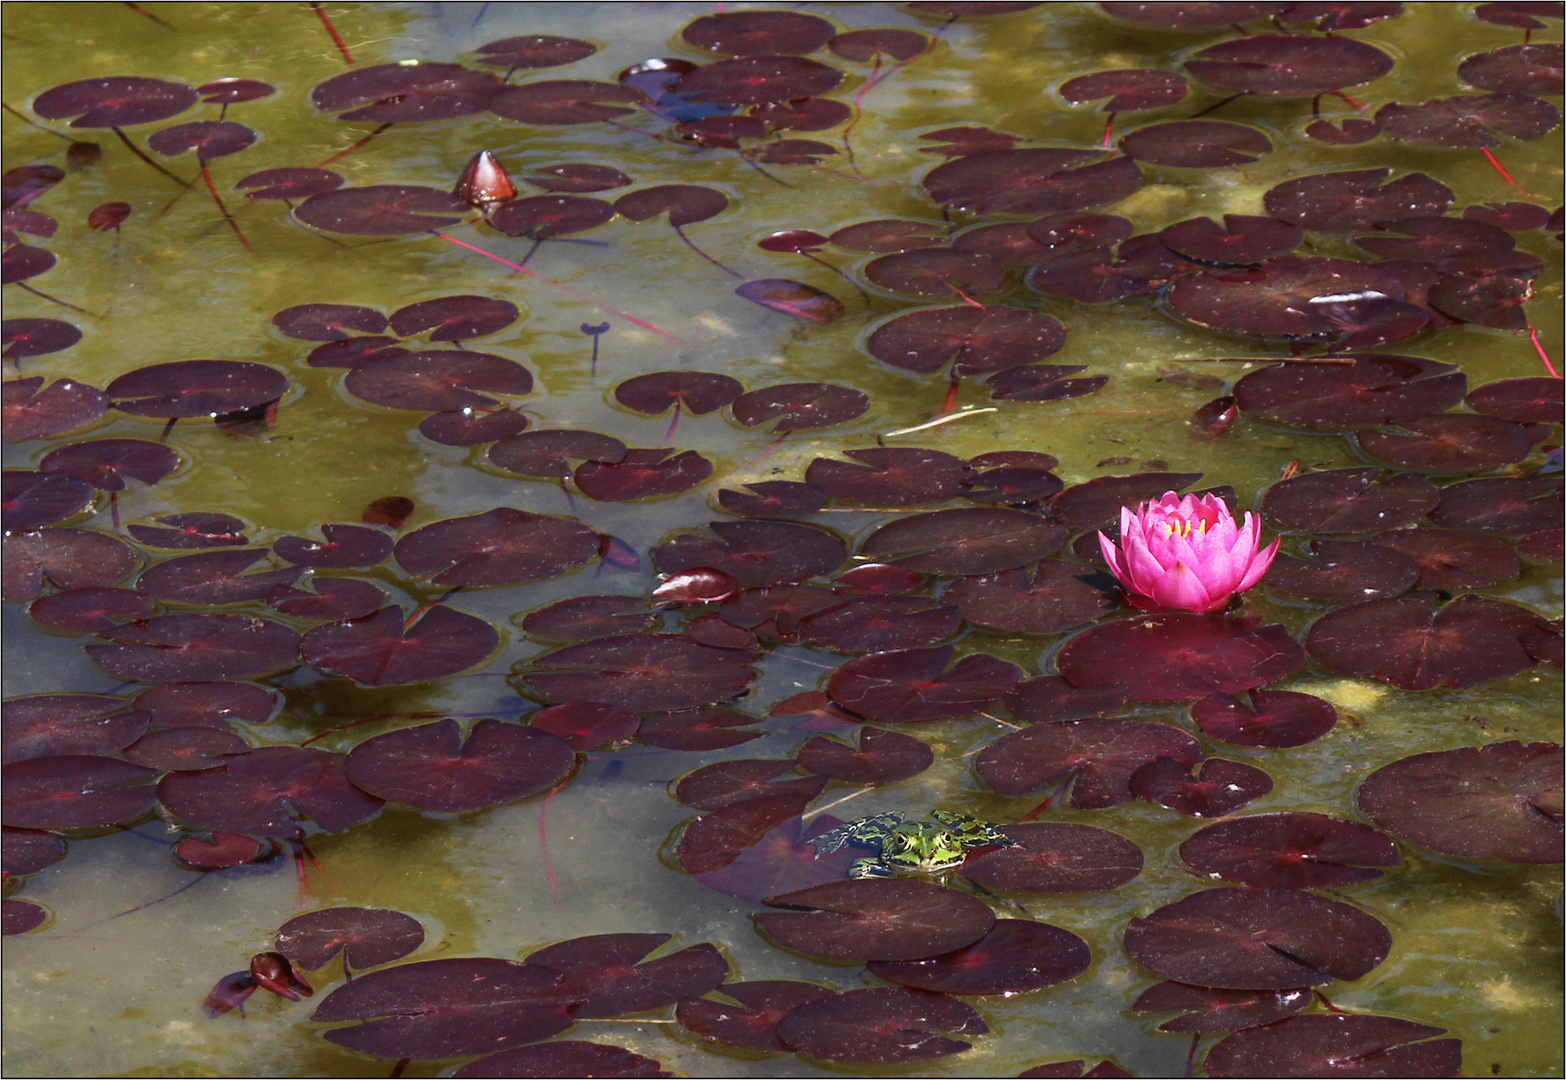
{"x":485,"y":183}
{"x":1186,"y":554}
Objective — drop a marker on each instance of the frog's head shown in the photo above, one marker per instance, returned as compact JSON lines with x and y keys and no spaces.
{"x":922,"y":847}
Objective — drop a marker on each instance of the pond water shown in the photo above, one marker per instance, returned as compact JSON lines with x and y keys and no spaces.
{"x":113,"y":982}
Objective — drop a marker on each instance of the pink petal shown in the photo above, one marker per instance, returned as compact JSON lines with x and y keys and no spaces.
{"x":1181,"y":590}
{"x":1112,"y":556}
{"x":1259,"y":565}
{"x":1145,"y":570}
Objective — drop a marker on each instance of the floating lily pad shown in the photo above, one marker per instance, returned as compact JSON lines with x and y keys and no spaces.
{"x":563,"y":1057}
{"x":646,"y":672}
{"x":185,"y":749}
{"x":974,"y":340}
{"x":1451,"y":560}
{"x":1179,"y":656}
{"x":75,"y":791}
{"x":1343,"y":572}
{"x":381,"y":210}
{"x":1128,"y":89}
{"x":35,"y":411}
{"x":1017,"y":956}
{"x":501,"y":547}
{"x":207,"y":704}
{"x":758,"y":80}
{"x":115,"y":101}
{"x":89,"y":610}
{"x":605,"y":965}
{"x":1215,"y":788}
{"x":1288,"y":65}
{"x":1206,"y":1009}
{"x":1273,"y":718}
{"x":1356,"y":200}
{"x":882,"y":757}
{"x":642,"y":474}
{"x":883,"y":1026}
{"x":366,"y":937}
{"x":404,"y":93}
{"x":196,"y":648}
{"x":878,"y":919}
{"x":756,"y":553}
{"x":1506,"y":505}
{"x":1098,"y":756}
{"x":1040,"y":181}
{"x":1324,"y":1045}
{"x":1290,"y":851}
{"x":714,"y":840}
{"x":1053,"y":698}
{"x":69,"y":558}
{"x":187,"y":388}
{"x":44,"y":725}
{"x":1050,"y":858}
{"x":1054,"y":598}
{"x":384,"y":650}
{"x":1196,"y":144}
{"x":753,"y":1026}
{"x":957,"y":543}
{"x":757,"y":33}
{"x":1348,"y":501}
{"x":723,"y":783}
{"x":913,"y":685}
{"x":28,"y":851}
{"x":431,"y":767}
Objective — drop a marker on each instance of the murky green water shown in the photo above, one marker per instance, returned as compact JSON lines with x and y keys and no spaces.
{"x":1476,"y":948}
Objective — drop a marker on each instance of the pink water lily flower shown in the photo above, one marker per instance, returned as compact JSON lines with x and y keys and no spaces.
{"x":1186,"y":554}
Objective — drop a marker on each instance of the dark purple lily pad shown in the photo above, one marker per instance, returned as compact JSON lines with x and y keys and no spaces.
{"x":1274,"y":718}
{"x":684,"y":203}
{"x":1257,"y":939}
{"x":697,"y":729}
{"x":865,"y":46}
{"x":20,"y":916}
{"x":1054,"y":598}
{"x":194,"y":530}
{"x":328,"y":322}
{"x":549,"y":453}
{"x":437,"y":379}
{"x":642,"y":672}
{"x":32,"y":499}
{"x":891,"y":476}
{"x":577,"y":178}
{"x":1128,"y":89}
{"x":1178,"y":656}
{"x":289,"y":183}
{"x":974,"y":340}
{"x":33,"y":411}
{"x":213,"y":577}
{"x":27,"y":851}
{"x":366,"y":937}
{"x":382,"y":210}
{"x":196,"y":648}
{"x":1051,"y":858}
{"x":25,"y":183}
{"x":1343,"y":572}
{"x":406,"y":93}
{"x":45,"y":725}
{"x":115,"y":101}
{"x":1240,"y":241}
{"x":800,"y":406}
{"x":1450,"y":560}
{"x":1096,"y":503}
{"x":89,"y":610}
{"x":882,"y":757}
{"x":955,"y":543}
{"x":880,"y":623}
{"x":106,"y":463}
{"x":755,"y":33}
{"x":449,"y":1008}
{"x":1356,"y":200}
{"x":75,"y":791}
{"x":1039,"y":181}
{"x":883,"y":1026}
{"x":1289,"y":851}
{"x":69,"y":558}
{"x":715,"y":840}
{"x":1097,"y":755}
{"x":346,"y":547}
{"x":187,"y":388}
{"x":383,"y":650}
{"x":544,"y":216}
{"x":431,"y":767}
{"x":1468,"y":120}
{"x":193,"y":749}
{"x":912,"y":685}
{"x":563,"y":1057}
{"x":1299,"y":298}
{"x":1348,"y":501}
{"x":470,"y":427}
{"x":208,"y":138}
{"x":1195,"y":17}
{"x":1501,"y":801}
{"x":879,"y":919}
{"x":579,"y":618}
{"x":453,"y":318}
{"x":586,"y":725}
{"x":22,"y":261}
{"x":1291,"y":65}
{"x":693,"y":391}
{"x":501,"y":547}
{"x":935,"y":273}
{"x":564,"y":101}
{"x":1053,"y":698}
{"x":1214,"y":789}
{"x":1414,"y":643}
{"x":756,"y":553}
{"x":1206,"y":1009}
{"x":207,"y":704}
{"x":1527,"y":401}
{"x":1196,"y":144}
{"x":268,"y":792}
{"x":642,"y":474}
{"x":36,"y":337}
{"x":1017,"y":956}
{"x":605,"y":965}
{"x":1323,"y":1045}
{"x":757,"y":80}
{"x":884,"y":236}
{"x":753,"y":1027}
{"x":775,"y":499}
{"x":535,"y":51}
{"x":723,"y":783}
{"x":1507,"y":505}
{"x":1516,"y":69}
{"x":793,"y":298}
{"x":1453,"y":443}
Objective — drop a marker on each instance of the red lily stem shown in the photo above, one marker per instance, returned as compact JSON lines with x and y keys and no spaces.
{"x":53,"y":300}
{"x":114,"y":509}
{"x":951,"y":395}
{"x":124,"y":138}
{"x":232,"y":224}
{"x":138,"y":9}
{"x":530,"y":251}
{"x":343,"y":727}
{"x":687,"y":240}
{"x":1358,"y":107}
{"x":332,"y":30}
{"x":1109,"y":125}
{"x":142,"y":907}
{"x":543,"y":845}
{"x":859,"y":98}
{"x":1327,"y":1004}
{"x":1496,"y":165}
{"x":1037,"y":810}
{"x":419,"y":612}
{"x":344,"y":153}
{"x":566,"y":289}
{"x":970,"y":301}
{"x":1190,"y":1057}
{"x":1544,"y":357}
{"x":838,"y":271}
{"x":668,"y":436}
{"x":299,"y":873}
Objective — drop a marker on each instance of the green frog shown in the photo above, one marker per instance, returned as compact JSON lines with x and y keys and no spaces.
{"x":911,"y":847}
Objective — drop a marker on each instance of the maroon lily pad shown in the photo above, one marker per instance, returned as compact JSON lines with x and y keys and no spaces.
{"x":1190,"y":17}
{"x":1015,"y":485}
{"x":1257,"y":939}
{"x":777,"y":611}
{"x":1097,"y":755}
{"x":187,"y":388}
{"x":1291,"y":65}
{"x":27,"y":851}
{"x":955,"y":543}
{"x":605,"y":966}
{"x":891,"y":476}
{"x":800,"y":406}
{"x":692,"y":391}
{"x":213,"y":577}
{"x":535,"y":51}
{"x":586,"y":725}
{"x":22,"y":261}
{"x":501,"y":547}
{"x":1054,"y":598}
{"x":1053,"y":698}
{"x":1241,"y":240}
{"x":381,"y":210}
{"x":267,"y":792}
{"x":1206,"y":1009}
{"x":1017,"y":956}
{"x":208,"y":138}
{"x":753,"y":1027}
{"x":75,"y":791}
{"x":563,"y":1057}
{"x":883,"y":236}
{"x":1289,"y":851}
{"x":881,"y":1026}
{"x":468,"y":427}
{"x":1096,"y":503}
{"x":1326,"y":1045}
{"x":877,"y":919}
{"x":1196,"y":144}
{"x":70,"y":558}
{"x":756,"y":553}
{"x":196,"y":648}
{"x":645,"y":672}
{"x":1453,"y":443}
{"x":44,"y":725}
{"x":289,"y":183}
{"x":405,"y":93}
{"x":431,"y":767}
{"x":1348,"y":501}
{"x":1273,"y":719}
{"x":1215,"y":788}
{"x":697,"y":729}
{"x":35,"y":411}
{"x":25,"y":183}
{"x":757,"y":80}
{"x":1356,"y":200}
{"x":383,"y":650}
{"x":1050,"y":858}
{"x":20,"y":916}
{"x":684,"y":203}
{"x":881,"y":623}
{"x":775,"y":499}
{"x":454,"y":318}
{"x":912,"y":685}
{"x":328,"y":322}
{"x":1468,"y":120}
{"x":1009,"y":243}
{"x":794,"y":298}
{"x":974,"y":340}
{"x":579,"y":618}
{"x":1501,"y":801}
{"x":1295,"y":297}
{"x":935,"y":273}
{"x":222,"y":851}
{"x":1343,"y":572}
{"x":882,"y":757}
{"x":366,"y":937}
{"x":1042,"y":382}
{"x":449,"y":1008}
{"x":864,"y":46}
{"x":1512,"y":216}
{"x":549,"y":453}
{"x":782,"y":860}
{"x":1128,"y":89}
{"x":37,"y":337}
{"x":544,"y":216}
{"x":106,"y":463}
{"x":32,"y":499}
{"x":1414,"y":643}
{"x":714,"y":840}
{"x":642,"y":474}
{"x":89,"y":610}
{"x":564,"y":101}
{"x":802,"y":114}
{"x":185,"y":749}
{"x":723,"y":783}
{"x":1527,"y":401}
{"x":1039,"y":181}
{"x":436,"y":379}
{"x":1179,"y":656}
{"x":756,"y":33}
{"x":577,"y":178}
{"x":1508,"y":505}
{"x":207,"y":704}
{"x":1450,"y":560}
{"x":115,"y":101}
{"x":346,"y":547}
{"x":1350,"y":131}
